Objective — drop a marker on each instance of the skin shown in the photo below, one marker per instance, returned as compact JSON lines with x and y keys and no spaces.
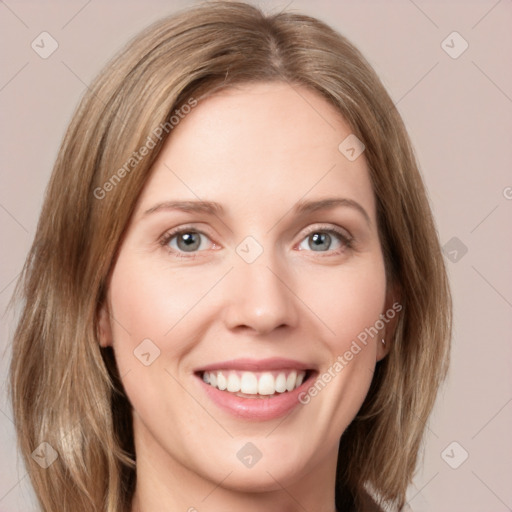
{"x":257,"y":150}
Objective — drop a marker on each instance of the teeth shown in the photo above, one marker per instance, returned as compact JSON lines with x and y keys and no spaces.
{"x":249,"y":383}
{"x":233,"y":383}
{"x":281,"y":383}
{"x":254,"y":383}
{"x":266,"y":384}
{"x":290,"y":381}
{"x":221,"y":381}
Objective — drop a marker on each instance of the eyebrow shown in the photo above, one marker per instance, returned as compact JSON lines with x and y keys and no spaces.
{"x":209,"y":207}
{"x":301,"y":207}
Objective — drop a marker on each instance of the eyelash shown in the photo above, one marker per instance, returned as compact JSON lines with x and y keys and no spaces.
{"x":347,"y":241}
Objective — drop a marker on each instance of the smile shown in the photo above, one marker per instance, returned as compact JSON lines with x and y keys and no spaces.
{"x":250,"y":384}
{"x":255,"y":390}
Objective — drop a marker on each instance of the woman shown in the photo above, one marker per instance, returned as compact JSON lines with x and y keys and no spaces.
{"x":235,"y":298}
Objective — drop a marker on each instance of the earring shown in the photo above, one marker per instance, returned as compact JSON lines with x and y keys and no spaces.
{"x":383,"y":341}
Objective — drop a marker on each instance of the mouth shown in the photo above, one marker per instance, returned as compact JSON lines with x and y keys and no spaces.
{"x":256,"y":390}
{"x":256,"y":384}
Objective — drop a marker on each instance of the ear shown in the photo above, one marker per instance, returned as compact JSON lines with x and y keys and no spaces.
{"x":389,"y":318}
{"x":104,"y":327}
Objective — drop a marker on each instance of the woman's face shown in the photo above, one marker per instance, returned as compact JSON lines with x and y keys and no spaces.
{"x":265,"y":284}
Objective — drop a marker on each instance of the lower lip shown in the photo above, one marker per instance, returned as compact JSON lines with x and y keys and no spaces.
{"x":256,"y":408}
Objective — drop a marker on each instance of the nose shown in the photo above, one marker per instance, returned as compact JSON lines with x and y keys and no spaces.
{"x":260,"y":298}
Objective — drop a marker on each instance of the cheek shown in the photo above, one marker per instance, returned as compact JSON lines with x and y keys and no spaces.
{"x":152,"y":302}
{"x":348,"y":301}
{"x":152,"y":332}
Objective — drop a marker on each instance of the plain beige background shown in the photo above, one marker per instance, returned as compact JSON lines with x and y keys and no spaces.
{"x":457,"y":106}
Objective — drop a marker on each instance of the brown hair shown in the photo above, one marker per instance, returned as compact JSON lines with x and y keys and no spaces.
{"x":65,"y":389}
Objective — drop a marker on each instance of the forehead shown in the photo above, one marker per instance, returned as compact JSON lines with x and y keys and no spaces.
{"x":257,"y":145}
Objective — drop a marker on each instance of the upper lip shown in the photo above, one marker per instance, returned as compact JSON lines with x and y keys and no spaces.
{"x":274,"y":363}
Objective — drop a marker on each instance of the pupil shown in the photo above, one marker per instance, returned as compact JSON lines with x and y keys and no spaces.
{"x":319,"y":239}
{"x":189,"y":242}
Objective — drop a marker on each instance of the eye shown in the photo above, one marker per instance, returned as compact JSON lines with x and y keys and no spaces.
{"x":185,"y":240}
{"x":321,"y":240}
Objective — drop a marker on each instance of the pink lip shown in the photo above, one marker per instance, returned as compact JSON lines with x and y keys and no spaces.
{"x":254,"y":365}
{"x":256,"y":409}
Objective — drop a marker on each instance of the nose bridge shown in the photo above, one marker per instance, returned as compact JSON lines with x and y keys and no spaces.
{"x":258,"y":295}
